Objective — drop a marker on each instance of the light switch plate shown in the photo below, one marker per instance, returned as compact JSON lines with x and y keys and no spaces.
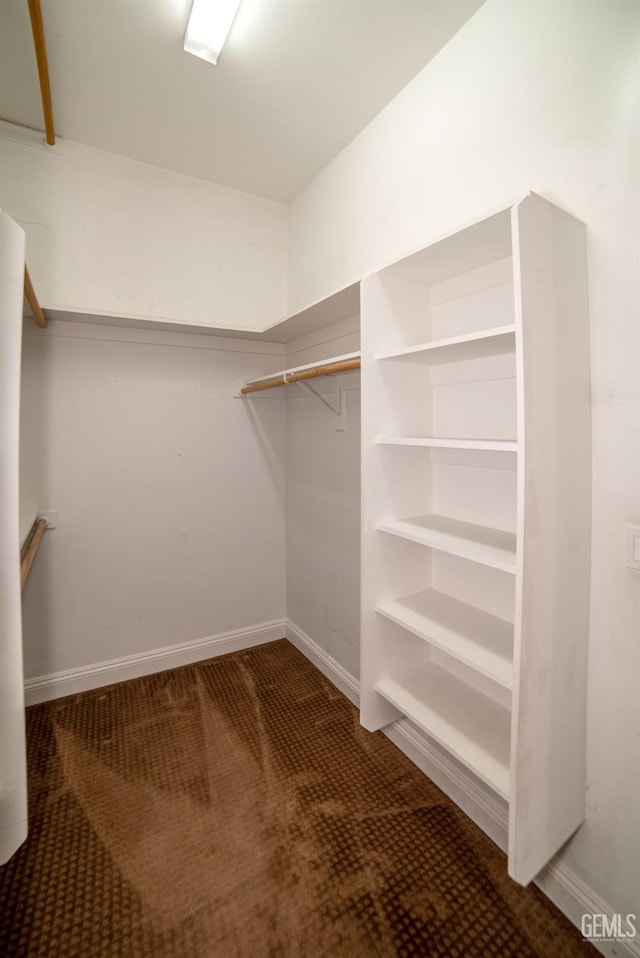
{"x":632,"y":545}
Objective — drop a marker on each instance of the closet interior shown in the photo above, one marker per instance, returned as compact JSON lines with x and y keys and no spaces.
{"x":472,"y":512}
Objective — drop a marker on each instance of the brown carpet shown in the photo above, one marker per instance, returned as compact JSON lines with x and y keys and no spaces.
{"x":237,"y":808}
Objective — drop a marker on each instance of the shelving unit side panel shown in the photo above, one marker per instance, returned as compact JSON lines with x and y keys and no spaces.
{"x":553,"y":562}
{"x":392,"y":649}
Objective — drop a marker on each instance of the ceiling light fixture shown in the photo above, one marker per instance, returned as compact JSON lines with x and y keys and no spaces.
{"x":208,"y":27}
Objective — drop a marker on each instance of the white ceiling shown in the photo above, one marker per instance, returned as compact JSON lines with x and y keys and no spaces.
{"x":296,"y":81}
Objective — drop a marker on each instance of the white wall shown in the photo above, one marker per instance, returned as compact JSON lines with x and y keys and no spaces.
{"x":115,"y":237}
{"x":544,"y":96}
{"x":32,"y":438}
{"x":323,"y":500}
{"x":169,"y":493}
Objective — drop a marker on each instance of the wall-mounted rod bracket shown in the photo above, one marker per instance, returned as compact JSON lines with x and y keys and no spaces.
{"x":341,"y":409}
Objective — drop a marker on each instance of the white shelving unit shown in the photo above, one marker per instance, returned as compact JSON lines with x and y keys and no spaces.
{"x":476,"y":510}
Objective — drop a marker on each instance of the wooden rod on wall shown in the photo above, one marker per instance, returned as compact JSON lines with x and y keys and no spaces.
{"x":329,"y":369}
{"x":344,"y":366}
{"x":32,"y":299}
{"x":37,"y":29}
{"x":267,"y":384}
{"x":30,"y":548}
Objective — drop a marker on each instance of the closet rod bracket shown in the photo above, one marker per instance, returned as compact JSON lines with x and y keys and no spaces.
{"x":339,"y":412}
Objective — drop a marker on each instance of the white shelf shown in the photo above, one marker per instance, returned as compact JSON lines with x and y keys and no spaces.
{"x":471,"y":726}
{"x":487,"y":342}
{"x":487,"y":445}
{"x":490,"y":547}
{"x":482,"y":641}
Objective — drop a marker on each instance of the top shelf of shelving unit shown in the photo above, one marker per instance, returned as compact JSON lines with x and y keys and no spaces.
{"x":487,"y":342}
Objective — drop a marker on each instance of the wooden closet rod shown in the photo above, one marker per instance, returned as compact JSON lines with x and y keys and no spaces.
{"x":43,"y":69}
{"x":327,"y":370}
{"x":32,"y":299}
{"x":30,"y":548}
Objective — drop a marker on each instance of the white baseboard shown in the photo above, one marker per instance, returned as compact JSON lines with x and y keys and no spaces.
{"x":557,"y":881}
{"x":342,"y":679}
{"x":43,"y":688}
{"x":574,"y":898}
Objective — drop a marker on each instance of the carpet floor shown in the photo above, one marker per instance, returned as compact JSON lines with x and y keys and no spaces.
{"x":237,"y":808}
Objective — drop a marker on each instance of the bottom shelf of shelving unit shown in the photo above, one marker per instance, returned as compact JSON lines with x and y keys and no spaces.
{"x":468,"y":724}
